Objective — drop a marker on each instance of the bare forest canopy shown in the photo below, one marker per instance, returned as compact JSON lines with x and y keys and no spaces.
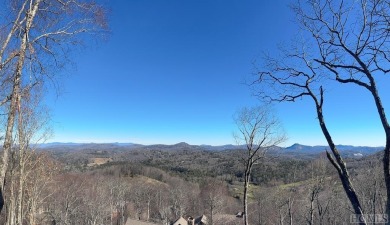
{"x":114,"y":183}
{"x":119,"y":151}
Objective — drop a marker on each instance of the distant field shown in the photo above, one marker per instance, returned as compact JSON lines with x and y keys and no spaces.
{"x":98,"y":161}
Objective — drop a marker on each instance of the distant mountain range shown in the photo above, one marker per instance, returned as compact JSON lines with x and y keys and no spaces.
{"x":346,"y":150}
{"x":319,"y":148}
{"x":78,"y":146}
{"x":295,"y":149}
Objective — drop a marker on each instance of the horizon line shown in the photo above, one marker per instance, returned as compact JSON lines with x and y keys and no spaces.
{"x":183,"y":142}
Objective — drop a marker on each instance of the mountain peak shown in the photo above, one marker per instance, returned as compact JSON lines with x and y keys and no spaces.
{"x":297,"y":146}
{"x":182,"y":144}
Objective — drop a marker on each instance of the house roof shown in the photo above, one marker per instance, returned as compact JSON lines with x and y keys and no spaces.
{"x":202,"y":219}
{"x":180,"y":221}
{"x":198,"y":220}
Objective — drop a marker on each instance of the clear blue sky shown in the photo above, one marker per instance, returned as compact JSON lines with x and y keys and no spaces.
{"x":173,"y":70}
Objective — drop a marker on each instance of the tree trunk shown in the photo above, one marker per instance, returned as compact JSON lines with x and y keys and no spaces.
{"x":246,"y":189}
{"x":341,"y":168}
{"x":22,"y":146}
{"x":20,"y":197}
{"x":15,"y":99}
{"x":281,"y":217}
{"x":290,"y":210}
{"x":148,"y":213}
{"x":11,"y":207}
{"x":211,"y":213}
{"x":311,"y":210}
{"x":386,"y":152}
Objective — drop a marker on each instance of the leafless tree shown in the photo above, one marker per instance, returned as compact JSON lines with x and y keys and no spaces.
{"x":136,"y":197}
{"x":179,"y":198}
{"x":213,"y":193}
{"x":149,"y":193}
{"x":264,"y":205}
{"x":32,"y":128}
{"x":162,"y":204}
{"x":293,"y":77}
{"x":95,"y":201}
{"x":117,"y":189}
{"x":351,"y":41}
{"x":372,"y":187}
{"x":67,"y":203}
{"x":346,"y":41}
{"x":36,"y":36}
{"x":260,"y":131}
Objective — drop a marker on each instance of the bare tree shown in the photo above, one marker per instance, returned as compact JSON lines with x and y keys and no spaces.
{"x":40,"y":172}
{"x":260,"y":131}
{"x":346,"y":41}
{"x":179,"y":198}
{"x":162,"y":204}
{"x":316,"y":186}
{"x":213,"y":193}
{"x":32,"y":129}
{"x":95,"y":201}
{"x":117,"y":189}
{"x":36,"y":36}
{"x":293,"y":77}
{"x":351,"y":41}
{"x":372,"y":187}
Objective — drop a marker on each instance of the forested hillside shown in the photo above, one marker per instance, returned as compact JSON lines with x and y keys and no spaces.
{"x":73,"y":185}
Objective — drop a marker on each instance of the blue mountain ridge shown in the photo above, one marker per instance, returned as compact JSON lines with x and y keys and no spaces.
{"x":295,"y":148}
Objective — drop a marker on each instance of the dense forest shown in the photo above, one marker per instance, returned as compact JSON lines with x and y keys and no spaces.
{"x":110,"y":184}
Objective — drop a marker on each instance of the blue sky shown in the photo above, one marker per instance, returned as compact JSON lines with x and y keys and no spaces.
{"x":173,"y":71}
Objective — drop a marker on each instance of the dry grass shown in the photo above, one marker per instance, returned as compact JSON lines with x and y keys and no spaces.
{"x":99,"y":161}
